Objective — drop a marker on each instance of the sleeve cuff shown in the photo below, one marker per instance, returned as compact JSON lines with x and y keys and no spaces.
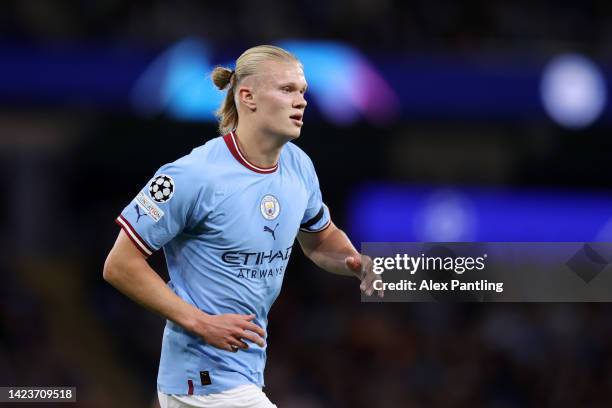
{"x":327,"y":224}
{"x":308,"y":225}
{"x":133,"y":236}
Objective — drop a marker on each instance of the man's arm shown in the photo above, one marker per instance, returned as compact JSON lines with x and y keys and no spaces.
{"x":127,"y":269}
{"x":332,"y":251}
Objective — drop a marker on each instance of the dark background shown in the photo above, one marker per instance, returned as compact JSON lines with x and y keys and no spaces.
{"x":71,"y":163}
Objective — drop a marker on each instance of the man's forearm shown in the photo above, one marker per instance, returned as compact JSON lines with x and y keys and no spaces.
{"x":128,"y":271}
{"x":137,"y":280}
{"x":331,"y":253}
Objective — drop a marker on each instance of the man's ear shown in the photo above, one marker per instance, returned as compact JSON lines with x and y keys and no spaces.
{"x":246,"y":97}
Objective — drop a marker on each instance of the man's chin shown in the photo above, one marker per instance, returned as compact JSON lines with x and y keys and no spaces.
{"x":287,"y":135}
{"x":292,"y":135}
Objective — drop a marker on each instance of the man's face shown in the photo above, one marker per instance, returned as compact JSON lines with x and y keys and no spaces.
{"x":279,"y":97}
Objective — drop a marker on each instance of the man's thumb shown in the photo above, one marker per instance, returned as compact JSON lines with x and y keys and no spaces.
{"x":353,"y":263}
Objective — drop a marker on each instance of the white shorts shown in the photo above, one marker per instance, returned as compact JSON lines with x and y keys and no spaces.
{"x":244,"y":396}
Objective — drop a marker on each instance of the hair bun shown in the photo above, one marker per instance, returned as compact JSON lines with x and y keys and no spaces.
{"x":221,"y":77}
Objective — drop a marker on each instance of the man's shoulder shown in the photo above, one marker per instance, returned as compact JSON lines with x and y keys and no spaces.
{"x":201,"y":158}
{"x":295,"y":154}
{"x":210,"y":148}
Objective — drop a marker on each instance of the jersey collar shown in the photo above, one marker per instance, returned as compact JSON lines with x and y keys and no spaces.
{"x":232,"y":145}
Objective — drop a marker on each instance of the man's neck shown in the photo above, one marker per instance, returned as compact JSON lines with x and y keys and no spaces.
{"x":260,"y":149}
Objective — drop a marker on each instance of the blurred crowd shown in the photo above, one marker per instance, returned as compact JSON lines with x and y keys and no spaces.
{"x":438,"y":355}
{"x":389,"y":25}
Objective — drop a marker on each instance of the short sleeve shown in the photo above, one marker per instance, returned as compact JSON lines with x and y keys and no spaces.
{"x":316,"y":217}
{"x":161,"y":210}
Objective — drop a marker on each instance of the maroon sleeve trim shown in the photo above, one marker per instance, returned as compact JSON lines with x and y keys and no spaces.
{"x":133,"y":236}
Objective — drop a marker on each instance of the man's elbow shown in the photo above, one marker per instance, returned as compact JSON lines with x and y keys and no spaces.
{"x":111,"y":269}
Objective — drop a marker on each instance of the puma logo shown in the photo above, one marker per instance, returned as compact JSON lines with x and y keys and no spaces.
{"x":271,"y":231}
{"x":138,"y":213}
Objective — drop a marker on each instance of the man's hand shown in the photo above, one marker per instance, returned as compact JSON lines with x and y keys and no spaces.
{"x":227,"y":331}
{"x":362,"y":266}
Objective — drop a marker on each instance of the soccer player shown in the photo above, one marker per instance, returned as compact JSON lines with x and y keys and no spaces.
{"x":227,"y":216}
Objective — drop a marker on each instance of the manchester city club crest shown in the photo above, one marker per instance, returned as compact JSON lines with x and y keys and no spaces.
{"x":270,"y":208}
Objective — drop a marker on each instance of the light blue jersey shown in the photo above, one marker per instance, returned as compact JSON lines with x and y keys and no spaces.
{"x":227,"y":228}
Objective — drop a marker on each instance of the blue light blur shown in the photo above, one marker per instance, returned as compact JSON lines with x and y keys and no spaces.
{"x":573,"y":91}
{"x":345,"y":84}
{"x":176,"y":82}
{"x":342,"y":82}
{"x":393,"y":212}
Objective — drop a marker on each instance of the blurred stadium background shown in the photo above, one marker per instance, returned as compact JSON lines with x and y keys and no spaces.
{"x":428,"y":120}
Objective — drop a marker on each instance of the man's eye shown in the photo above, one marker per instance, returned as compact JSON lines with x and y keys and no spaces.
{"x":287,"y":88}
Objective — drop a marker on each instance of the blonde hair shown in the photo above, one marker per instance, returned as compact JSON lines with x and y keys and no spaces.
{"x":247,"y":64}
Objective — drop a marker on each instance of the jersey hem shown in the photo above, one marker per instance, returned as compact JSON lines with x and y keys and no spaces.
{"x":196,"y":389}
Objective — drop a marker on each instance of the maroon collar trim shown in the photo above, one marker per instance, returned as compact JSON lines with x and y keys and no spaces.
{"x":232,"y":145}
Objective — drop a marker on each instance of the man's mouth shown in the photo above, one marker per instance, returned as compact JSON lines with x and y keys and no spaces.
{"x":297,"y":118}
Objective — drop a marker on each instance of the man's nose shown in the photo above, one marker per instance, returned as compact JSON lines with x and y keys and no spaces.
{"x":300,"y":102}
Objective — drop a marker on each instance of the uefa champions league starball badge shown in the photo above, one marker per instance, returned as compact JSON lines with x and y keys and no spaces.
{"x":270,"y":208}
{"x":161,"y":188}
